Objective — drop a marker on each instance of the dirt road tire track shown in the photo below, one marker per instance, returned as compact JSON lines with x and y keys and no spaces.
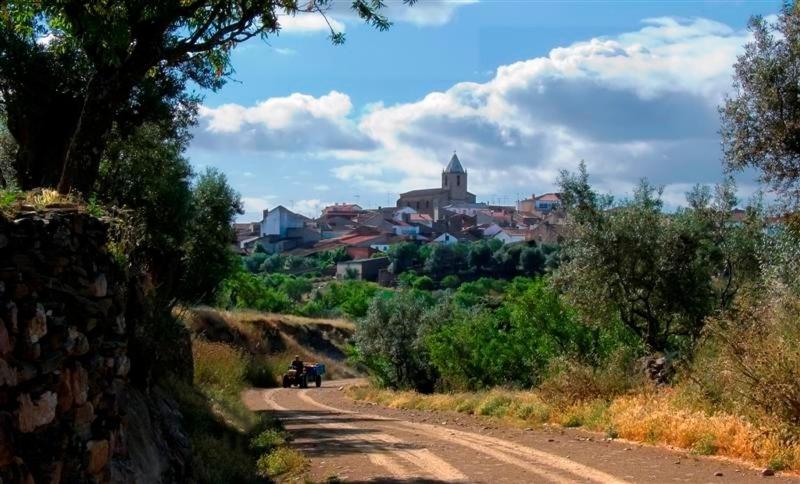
{"x":384,"y":445}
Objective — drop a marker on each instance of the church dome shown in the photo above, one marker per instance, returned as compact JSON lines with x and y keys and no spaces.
{"x":454,"y":166}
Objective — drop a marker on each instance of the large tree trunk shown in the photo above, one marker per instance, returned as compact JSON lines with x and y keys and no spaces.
{"x":86,"y":146}
{"x":42,"y":123}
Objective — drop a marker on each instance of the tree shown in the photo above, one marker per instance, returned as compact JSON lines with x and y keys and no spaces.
{"x":531,"y":261}
{"x":441,"y":262}
{"x":207,"y":254}
{"x":390,"y":341}
{"x":71,"y":69}
{"x":403,"y":256}
{"x":760,"y":126}
{"x":653,"y":272}
{"x":479,"y":257}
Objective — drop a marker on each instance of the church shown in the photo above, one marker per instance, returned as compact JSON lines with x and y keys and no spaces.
{"x":430,"y":200}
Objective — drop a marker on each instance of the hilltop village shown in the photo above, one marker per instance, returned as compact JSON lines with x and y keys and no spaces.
{"x":446,"y":215}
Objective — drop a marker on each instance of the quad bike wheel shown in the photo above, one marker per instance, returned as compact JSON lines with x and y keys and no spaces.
{"x":318,"y":381}
{"x":286,"y":383}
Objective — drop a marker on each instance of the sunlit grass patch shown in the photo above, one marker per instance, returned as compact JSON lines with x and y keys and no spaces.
{"x":281,"y":462}
{"x":648,"y":416}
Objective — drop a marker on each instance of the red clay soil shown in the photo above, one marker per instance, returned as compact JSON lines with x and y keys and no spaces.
{"x":359,"y":442}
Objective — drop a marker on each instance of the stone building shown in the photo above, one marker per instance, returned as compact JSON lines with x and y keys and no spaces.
{"x":431,"y":200}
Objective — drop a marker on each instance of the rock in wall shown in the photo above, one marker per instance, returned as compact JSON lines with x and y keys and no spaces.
{"x":64,"y":362}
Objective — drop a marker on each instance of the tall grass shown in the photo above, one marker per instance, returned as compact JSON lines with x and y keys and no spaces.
{"x":230,"y":441}
{"x":656,"y":416}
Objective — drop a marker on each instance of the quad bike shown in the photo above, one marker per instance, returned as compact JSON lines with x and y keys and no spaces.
{"x":311,"y":373}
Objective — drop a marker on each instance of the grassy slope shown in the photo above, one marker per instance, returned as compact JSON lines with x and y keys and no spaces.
{"x":236,"y":350}
{"x":663,"y":416}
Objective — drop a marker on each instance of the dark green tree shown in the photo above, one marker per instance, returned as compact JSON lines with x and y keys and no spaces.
{"x":760,"y":126}
{"x":207,"y":257}
{"x":441,"y":262}
{"x":531,"y":261}
{"x":479,"y":257}
{"x":656,"y":273}
{"x":403,"y":256}
{"x":71,"y":69}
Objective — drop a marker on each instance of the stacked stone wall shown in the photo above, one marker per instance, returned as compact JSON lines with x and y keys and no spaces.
{"x":63,"y":349}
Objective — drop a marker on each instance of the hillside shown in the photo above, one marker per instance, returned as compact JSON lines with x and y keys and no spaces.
{"x":274,"y":339}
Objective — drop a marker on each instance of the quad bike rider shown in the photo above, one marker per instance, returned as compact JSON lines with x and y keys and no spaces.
{"x":299,"y":374}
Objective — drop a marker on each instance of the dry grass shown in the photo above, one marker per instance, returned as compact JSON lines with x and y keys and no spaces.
{"x":658,"y":417}
{"x":274,"y":339}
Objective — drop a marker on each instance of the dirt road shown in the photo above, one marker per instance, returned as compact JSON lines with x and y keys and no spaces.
{"x":367,"y":443}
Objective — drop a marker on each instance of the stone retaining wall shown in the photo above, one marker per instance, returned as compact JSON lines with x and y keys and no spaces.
{"x":63,"y":349}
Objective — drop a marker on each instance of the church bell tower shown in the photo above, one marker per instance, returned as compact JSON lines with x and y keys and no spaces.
{"x":454,"y":179}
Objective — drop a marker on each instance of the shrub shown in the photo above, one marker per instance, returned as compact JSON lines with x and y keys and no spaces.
{"x":423,"y":283}
{"x":280,"y":462}
{"x":450,"y":282}
{"x":390,"y":341}
{"x":756,"y":362}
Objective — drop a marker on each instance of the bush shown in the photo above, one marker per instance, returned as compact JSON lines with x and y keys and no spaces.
{"x":755,"y":358}
{"x":514,"y":344}
{"x":450,"y":282}
{"x":280,"y":462}
{"x":390,"y":341}
{"x":423,"y":283}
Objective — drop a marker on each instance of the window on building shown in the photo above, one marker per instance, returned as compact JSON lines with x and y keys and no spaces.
{"x":417,"y":205}
{"x":445,"y":181}
{"x":427,"y":203}
{"x":458,"y":180}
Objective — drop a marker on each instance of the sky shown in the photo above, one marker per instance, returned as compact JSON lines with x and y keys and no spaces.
{"x":520,"y":89}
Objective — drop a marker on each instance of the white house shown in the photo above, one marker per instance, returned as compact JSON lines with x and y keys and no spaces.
{"x":512,"y":236}
{"x":279,"y":220}
{"x":403,"y":213}
{"x":445,"y":239}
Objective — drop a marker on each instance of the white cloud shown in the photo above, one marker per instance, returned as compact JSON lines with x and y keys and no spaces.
{"x":284,"y":51}
{"x":257,"y":204}
{"x":282,"y":124}
{"x":305,"y":23}
{"x":638,"y":104}
{"x":322,"y":187}
{"x":310,"y":207}
{"x":427,"y":12}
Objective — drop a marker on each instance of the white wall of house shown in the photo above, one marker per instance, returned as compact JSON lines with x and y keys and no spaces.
{"x":398,"y":214}
{"x":507,"y":238}
{"x":279,"y":220}
{"x":446,"y":239}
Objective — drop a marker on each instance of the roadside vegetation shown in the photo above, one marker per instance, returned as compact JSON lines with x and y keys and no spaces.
{"x":235,"y":351}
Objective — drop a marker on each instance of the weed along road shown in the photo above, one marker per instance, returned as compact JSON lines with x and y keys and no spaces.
{"x":357,"y":442}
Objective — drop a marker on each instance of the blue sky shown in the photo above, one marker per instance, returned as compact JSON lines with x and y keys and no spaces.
{"x":522,"y":89}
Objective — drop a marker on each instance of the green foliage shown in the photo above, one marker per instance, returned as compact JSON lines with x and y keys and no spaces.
{"x":403,"y":256}
{"x":486,"y":291}
{"x":450,"y":282}
{"x":390,"y":341}
{"x":479,"y":257}
{"x":208,"y":258}
{"x":660,"y":275}
{"x":441,"y":261}
{"x":423,"y":283}
{"x":532,"y":261}
{"x":514,"y":344}
{"x":759,"y":121}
